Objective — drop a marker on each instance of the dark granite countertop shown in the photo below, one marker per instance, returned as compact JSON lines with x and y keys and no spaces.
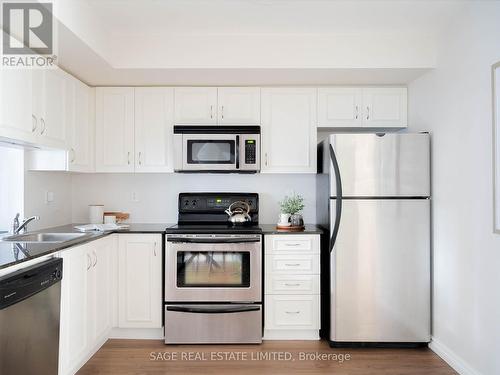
{"x":271,"y":229}
{"x":12,"y":253}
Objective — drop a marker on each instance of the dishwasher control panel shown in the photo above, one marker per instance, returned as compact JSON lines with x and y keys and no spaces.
{"x":26,"y":282}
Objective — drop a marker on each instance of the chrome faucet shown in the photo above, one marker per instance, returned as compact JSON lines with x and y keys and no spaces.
{"x":16,"y":227}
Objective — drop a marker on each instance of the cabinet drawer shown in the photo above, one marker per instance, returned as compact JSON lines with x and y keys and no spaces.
{"x":296,"y":243}
{"x":293,"y":284}
{"x":292,"y":264}
{"x":292,"y":312}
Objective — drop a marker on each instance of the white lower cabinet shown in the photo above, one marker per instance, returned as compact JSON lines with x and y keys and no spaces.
{"x":86,"y":308}
{"x":292,"y":287}
{"x":140,"y":281}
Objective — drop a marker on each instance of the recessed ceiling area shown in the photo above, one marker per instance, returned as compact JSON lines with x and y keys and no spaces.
{"x":244,"y":42}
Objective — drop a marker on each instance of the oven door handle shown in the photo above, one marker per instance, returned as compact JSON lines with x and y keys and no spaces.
{"x":204,"y":310}
{"x":213,"y":240}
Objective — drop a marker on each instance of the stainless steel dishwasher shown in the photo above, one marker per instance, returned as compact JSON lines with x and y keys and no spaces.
{"x":29,"y":319}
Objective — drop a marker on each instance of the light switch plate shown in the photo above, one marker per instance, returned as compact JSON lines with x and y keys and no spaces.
{"x":49,"y":197}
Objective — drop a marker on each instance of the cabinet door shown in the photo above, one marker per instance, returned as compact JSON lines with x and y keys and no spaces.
{"x":101,"y":294}
{"x":238,"y":105}
{"x":54,"y":106}
{"x":139,"y":281}
{"x":385,"y":107}
{"x":288,"y":130}
{"x":154,"y":129}
{"x":340,"y":107}
{"x":196,"y":105}
{"x":16,"y":117}
{"x":74,"y":328}
{"x":115,"y":129}
{"x":81,"y":135}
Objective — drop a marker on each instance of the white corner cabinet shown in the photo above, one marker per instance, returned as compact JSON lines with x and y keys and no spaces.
{"x":292,"y":287}
{"x":86,"y":301}
{"x":355,"y":107}
{"x":288,"y":131}
{"x":217,"y":106}
{"x":73,"y":117}
{"x":134,"y":129}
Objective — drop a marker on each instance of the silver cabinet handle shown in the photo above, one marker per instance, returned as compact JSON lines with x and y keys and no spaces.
{"x":154,"y":249}
{"x":211,"y":112}
{"x":222,"y":112}
{"x":292,"y":264}
{"x":367,"y":113}
{"x":42,"y":121}
{"x":265,"y":158}
{"x":140,"y":161}
{"x":292,"y":244}
{"x":95,"y":259}
{"x":128,"y":158}
{"x":292,"y":312}
{"x":72,"y":152}
{"x":288,"y":284}
{"x":89,"y":262}
{"x":35,"y":123}
{"x":357,"y":112}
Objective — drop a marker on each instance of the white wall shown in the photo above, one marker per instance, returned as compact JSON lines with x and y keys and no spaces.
{"x":11,"y":183}
{"x":36,"y":186}
{"x":454,"y":102}
{"x":156,"y":194}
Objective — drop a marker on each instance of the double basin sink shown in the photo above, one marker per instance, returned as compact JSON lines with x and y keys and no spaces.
{"x":45,"y":237}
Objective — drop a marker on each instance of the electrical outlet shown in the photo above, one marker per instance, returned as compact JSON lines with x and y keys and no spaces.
{"x":134,"y":197}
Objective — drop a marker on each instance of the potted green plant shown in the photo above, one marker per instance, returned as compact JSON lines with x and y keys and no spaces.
{"x":291,"y":207}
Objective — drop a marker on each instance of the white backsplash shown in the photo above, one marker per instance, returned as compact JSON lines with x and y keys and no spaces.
{"x":152,"y":198}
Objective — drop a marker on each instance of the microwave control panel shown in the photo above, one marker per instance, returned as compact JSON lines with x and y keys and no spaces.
{"x":250,"y":151}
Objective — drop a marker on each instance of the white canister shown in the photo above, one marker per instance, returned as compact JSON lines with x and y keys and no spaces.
{"x":96,"y":213}
{"x":284,"y":219}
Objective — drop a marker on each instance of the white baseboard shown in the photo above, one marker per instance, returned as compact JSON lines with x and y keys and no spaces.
{"x":450,"y":357}
{"x":137,"y":333}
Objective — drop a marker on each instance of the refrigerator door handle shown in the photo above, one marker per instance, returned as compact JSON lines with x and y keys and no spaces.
{"x":338,"y":203}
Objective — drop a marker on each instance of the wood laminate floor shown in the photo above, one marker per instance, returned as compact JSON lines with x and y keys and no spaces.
{"x":145,"y":357}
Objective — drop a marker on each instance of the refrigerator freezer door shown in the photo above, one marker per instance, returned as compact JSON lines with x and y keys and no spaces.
{"x":380,"y":271}
{"x":389,"y":165}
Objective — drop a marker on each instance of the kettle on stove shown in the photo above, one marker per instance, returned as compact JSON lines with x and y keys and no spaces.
{"x":239,"y":213}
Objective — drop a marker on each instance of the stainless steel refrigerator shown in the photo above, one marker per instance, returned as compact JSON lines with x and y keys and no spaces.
{"x":374,"y":200}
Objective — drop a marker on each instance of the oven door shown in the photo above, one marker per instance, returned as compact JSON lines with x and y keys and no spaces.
{"x":210,"y":152}
{"x":213,"y":268}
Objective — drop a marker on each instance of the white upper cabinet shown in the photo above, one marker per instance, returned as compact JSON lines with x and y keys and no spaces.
{"x":288,"y":130}
{"x":340,"y":107}
{"x":196,"y":105}
{"x":51,"y":88}
{"x":154,"y":120}
{"x":347,"y":107}
{"x":81,"y":131}
{"x":16,"y":119}
{"x":238,"y":106}
{"x":115,"y":129}
{"x":140,"y":281}
{"x":385,"y":107}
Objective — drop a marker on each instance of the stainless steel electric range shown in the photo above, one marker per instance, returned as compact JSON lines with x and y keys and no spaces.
{"x":213,"y":272}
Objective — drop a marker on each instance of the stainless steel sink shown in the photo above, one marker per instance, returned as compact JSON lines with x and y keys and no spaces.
{"x":45,"y":237}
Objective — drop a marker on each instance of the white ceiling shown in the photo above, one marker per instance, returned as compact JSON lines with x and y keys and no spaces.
{"x":210,"y":42}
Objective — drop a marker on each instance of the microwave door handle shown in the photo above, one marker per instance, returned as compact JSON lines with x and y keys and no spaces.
{"x":204,"y":310}
{"x":237,"y":152}
{"x":212,"y":240}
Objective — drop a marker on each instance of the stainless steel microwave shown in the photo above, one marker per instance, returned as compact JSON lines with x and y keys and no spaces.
{"x":230,"y":149}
